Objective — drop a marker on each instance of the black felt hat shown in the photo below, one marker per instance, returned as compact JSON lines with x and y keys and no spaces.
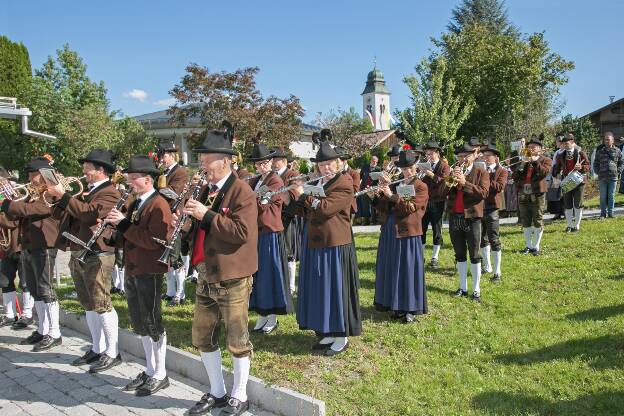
{"x":325,"y":152}
{"x":464,"y":148}
{"x":567,"y":137}
{"x":491,"y":148}
{"x":406,"y":159}
{"x":142,"y":164}
{"x":394,"y":151}
{"x":260,"y":152}
{"x":432,"y":144}
{"x":218,"y":141}
{"x":100,"y":157}
{"x":344,"y":155}
{"x":537,"y":141}
{"x":167,"y":146}
{"x":38,"y":163}
{"x":280,"y":152}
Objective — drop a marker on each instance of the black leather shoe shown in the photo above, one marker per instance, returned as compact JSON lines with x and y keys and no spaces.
{"x":330,"y":353}
{"x":434,"y":263}
{"x":266,"y":331}
{"x":33,"y":338}
{"x":166,"y":298}
{"x":88,"y":357}
{"x":568,"y":229}
{"x":152,"y":385}
{"x":459,"y":293}
{"x":396,"y":315}
{"x":496,"y":278}
{"x":6,"y":321}
{"x":114,"y":290}
{"x":476,"y":296}
{"x":206,"y":403}
{"x":575,"y":230}
{"x":136,"y":382}
{"x":535,"y":252}
{"x":22,"y":323}
{"x":175,"y":301}
{"x":235,"y":407}
{"x":46,"y":343}
{"x":104,"y":363}
{"x":526,"y":250}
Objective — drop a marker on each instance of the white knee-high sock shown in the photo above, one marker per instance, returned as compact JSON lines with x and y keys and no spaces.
{"x":212,"y":363}
{"x":292,"y":270}
{"x":262,"y":320}
{"x":569,"y":215}
{"x":89,"y":316}
{"x":27,"y":304}
{"x":180,"y":276}
{"x":43,"y":326}
{"x":462,"y":269}
{"x":498,"y":257}
{"x":578,"y":216}
{"x":97,"y":334}
{"x":122,"y":271}
{"x":160,"y":353}
{"x":187,"y":263}
{"x":475,"y":271}
{"x":150,"y":361}
{"x":52,"y":314}
{"x":8,"y":299}
{"x":115,"y":275}
{"x":435,"y":252}
{"x":171,"y":283}
{"x":109,"y":321}
{"x":537,"y":237}
{"x":485,"y":253}
{"x":527,"y":236}
{"x":241,"y":375}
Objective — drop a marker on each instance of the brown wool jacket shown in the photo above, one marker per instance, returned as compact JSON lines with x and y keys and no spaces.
{"x":84,"y":211}
{"x":475,"y":191}
{"x":270,"y":214}
{"x":355,"y":177}
{"x":38,"y":229}
{"x":498,"y":181}
{"x":11,"y":226}
{"x":435,"y":185}
{"x":408,"y":213}
{"x":231,"y":226}
{"x":329,"y":224}
{"x":177,"y":178}
{"x":541,"y":168}
{"x":141,"y":251}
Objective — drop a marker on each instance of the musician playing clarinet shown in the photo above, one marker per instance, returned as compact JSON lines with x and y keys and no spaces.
{"x":92,"y":278}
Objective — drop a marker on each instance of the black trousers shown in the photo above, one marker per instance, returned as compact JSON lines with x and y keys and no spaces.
{"x":574,"y":198}
{"x":144,"y":305}
{"x":489,"y":230}
{"x":9,"y":267}
{"x":433,"y":216}
{"x":38,"y":270}
{"x":465,"y":237}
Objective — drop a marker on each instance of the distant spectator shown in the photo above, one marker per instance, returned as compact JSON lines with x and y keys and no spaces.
{"x":608,"y":166}
{"x":365,"y":210}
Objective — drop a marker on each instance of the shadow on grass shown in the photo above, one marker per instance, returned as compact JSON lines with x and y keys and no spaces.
{"x":597,"y":314}
{"x":298,"y":343}
{"x":600,"y":352}
{"x":503,"y":403}
{"x":617,"y":276}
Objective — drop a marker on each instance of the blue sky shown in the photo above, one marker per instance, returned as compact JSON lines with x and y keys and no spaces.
{"x":319,"y":51}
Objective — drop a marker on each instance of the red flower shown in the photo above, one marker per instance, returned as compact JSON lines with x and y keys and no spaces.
{"x":407,"y":147}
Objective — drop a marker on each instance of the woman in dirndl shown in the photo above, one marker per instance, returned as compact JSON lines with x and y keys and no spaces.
{"x":270,"y":295}
{"x":328,"y":300}
{"x":400,"y":271}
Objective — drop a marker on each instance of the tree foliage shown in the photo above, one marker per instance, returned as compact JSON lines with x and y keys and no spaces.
{"x":584,"y":131}
{"x":215,"y":96}
{"x":345,"y":126}
{"x":490,"y":14}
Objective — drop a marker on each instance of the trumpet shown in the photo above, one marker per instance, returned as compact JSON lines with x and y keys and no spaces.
{"x":13,"y":192}
{"x":377,"y":187}
{"x":5,"y":239}
{"x":451,"y":181}
{"x":67,"y":182}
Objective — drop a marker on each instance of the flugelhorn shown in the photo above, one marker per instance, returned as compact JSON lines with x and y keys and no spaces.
{"x":14,"y":192}
{"x":68,"y":183}
{"x":451,"y":181}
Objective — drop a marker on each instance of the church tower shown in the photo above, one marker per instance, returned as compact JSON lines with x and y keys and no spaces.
{"x":376,"y":100}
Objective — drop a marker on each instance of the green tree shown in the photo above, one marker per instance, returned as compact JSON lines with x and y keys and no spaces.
{"x":436,"y":111}
{"x":584,"y":131}
{"x":345,"y":125}
{"x":488,"y":13}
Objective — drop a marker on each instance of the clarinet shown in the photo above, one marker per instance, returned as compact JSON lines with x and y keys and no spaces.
{"x":169,"y":245}
{"x":99,"y":230}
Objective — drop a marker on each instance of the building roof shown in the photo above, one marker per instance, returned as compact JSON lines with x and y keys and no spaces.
{"x":376,"y":83}
{"x":371,"y":140}
{"x":598,"y":111}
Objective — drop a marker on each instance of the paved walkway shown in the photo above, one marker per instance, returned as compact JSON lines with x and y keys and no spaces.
{"x":45,"y":384}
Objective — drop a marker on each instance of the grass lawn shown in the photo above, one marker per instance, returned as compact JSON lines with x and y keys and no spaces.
{"x":547,"y":341}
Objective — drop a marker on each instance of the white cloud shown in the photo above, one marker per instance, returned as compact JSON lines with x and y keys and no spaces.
{"x":165,"y":102}
{"x":136,"y":94}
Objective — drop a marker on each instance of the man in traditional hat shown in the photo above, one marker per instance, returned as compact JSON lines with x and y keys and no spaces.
{"x":293,"y":224}
{"x":434,"y":179}
{"x":226,"y":256}
{"x":148,"y":218}
{"x":92,"y":278}
{"x":530,"y":179}
{"x":9,"y":266}
{"x":174,"y":177}
{"x":572,"y":159}
{"x":490,"y":239}
{"x":38,"y":236}
{"x":465,"y":209}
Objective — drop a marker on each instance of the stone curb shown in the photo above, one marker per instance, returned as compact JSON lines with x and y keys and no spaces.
{"x":275,"y":399}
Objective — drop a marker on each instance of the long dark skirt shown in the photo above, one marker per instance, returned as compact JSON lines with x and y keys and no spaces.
{"x":511,"y":198}
{"x":400,"y":282}
{"x":294,"y":233}
{"x":328,"y":301}
{"x":271,"y":290}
